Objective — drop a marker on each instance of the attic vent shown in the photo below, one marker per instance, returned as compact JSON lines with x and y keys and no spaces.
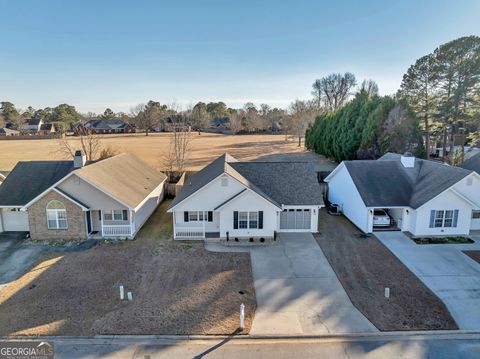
{"x":469,"y":181}
{"x":224,"y":181}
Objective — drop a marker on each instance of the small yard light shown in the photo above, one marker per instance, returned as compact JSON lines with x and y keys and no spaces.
{"x":242,"y":316}
{"x":122,"y":293}
{"x":387,"y":292}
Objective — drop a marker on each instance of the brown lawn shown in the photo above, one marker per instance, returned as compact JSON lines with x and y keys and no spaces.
{"x":204,"y":148}
{"x":365,"y":267}
{"x":178,"y":288}
{"x":475,"y":255}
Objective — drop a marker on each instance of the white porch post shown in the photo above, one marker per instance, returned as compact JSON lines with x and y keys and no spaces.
{"x":204,"y":213}
{"x":132,"y":226}
{"x":174,"y":225}
{"x":101,"y":220}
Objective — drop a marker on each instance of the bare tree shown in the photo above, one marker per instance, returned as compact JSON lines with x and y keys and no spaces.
{"x":236,"y":121}
{"x":88,"y":142}
{"x":333,"y":90}
{"x":148,"y":116}
{"x":173,"y":161}
{"x":370,"y":87}
{"x":302,"y":114}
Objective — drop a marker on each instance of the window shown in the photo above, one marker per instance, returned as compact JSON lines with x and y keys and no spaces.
{"x":242,"y":219}
{"x":475,"y":214}
{"x":444,"y":218}
{"x":115,"y":215}
{"x":252,"y":219}
{"x":56,"y":215}
{"x":197,"y":216}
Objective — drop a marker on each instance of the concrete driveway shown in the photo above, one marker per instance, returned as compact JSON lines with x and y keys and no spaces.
{"x":450,"y":274}
{"x":15,"y":256}
{"x":297,"y":291}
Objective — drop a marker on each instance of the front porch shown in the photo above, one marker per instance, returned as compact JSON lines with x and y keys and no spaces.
{"x":101,"y":224}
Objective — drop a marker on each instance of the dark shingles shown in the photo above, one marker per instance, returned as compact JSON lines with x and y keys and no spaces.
{"x":386,"y":182}
{"x":29,"y":179}
{"x":472,"y":164}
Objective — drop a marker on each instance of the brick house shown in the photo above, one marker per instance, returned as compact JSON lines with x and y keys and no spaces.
{"x":79,"y":200}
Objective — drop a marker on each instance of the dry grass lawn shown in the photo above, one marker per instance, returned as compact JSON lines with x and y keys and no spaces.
{"x":178,"y":288}
{"x":475,"y":255}
{"x":205,"y":148}
{"x":365,"y":267}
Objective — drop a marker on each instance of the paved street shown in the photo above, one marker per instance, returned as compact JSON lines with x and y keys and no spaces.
{"x":297,"y":290}
{"x":377,"y":347}
{"x":450,"y":274}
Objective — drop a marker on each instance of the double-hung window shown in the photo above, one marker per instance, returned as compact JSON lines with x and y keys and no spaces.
{"x":443,"y":218}
{"x":115,"y":215}
{"x":195,"y":216}
{"x":56,"y":215}
{"x":247,"y":220}
{"x":242,"y":219}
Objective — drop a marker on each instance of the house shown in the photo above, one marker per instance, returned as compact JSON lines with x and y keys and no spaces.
{"x":101,"y":126}
{"x":232,"y":199}
{"x":472,"y":164}
{"x":47,"y":129}
{"x":425,"y":198}
{"x":32,"y":126}
{"x":8,"y":132}
{"x":78,"y":200}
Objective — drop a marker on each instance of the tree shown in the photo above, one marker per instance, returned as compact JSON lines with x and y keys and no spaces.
{"x":301,"y":115}
{"x":418,"y":88}
{"x":108,"y":114}
{"x":175,"y":158}
{"x":333,"y":90}
{"x":87,"y":141}
{"x":149,"y":116}
{"x":65,"y":114}
{"x":10,"y":114}
{"x":200,"y":116}
{"x":370,"y":87}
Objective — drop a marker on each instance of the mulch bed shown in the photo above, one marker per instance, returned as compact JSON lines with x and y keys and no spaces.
{"x":475,"y":255}
{"x":178,"y":288}
{"x":365,"y":267}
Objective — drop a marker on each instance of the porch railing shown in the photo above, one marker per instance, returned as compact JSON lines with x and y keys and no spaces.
{"x":190,"y":232}
{"x":116,"y":230}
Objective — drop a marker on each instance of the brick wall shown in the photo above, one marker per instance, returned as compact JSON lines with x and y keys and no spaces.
{"x":37,"y":218}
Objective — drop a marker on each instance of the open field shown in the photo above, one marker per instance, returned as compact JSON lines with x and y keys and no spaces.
{"x":204,"y":148}
{"x":178,"y":288}
{"x":365,"y":267}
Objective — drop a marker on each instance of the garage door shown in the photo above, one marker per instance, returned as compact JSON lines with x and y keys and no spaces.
{"x":295,"y":219}
{"x":15,"y":221}
{"x":475,"y":220}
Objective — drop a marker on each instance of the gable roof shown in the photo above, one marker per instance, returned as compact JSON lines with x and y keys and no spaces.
{"x":387,"y":183}
{"x":30,"y":178}
{"x":34,"y":121}
{"x":111,"y":124}
{"x":124,"y":177}
{"x":9,"y":131}
{"x":287,"y":183}
{"x":472,"y":164}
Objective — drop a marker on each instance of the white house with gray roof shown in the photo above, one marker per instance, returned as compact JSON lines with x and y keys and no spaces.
{"x":78,"y":200}
{"x":232,"y":199}
{"x":425,"y":198}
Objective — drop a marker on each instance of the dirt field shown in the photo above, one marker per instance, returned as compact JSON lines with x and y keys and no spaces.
{"x":205,"y":148}
{"x":178,"y":288}
{"x":365,"y":267}
{"x":475,"y":255}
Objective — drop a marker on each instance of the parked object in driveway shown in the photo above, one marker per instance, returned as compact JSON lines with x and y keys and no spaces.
{"x":381,"y":218}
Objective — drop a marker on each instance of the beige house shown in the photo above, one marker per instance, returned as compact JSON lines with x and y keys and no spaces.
{"x":79,"y":200}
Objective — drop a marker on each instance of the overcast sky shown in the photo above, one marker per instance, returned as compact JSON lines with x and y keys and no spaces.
{"x":98,"y":54}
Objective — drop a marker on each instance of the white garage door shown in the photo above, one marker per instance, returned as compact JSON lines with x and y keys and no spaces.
{"x":15,"y":221}
{"x":295,"y":219}
{"x":475,"y":220}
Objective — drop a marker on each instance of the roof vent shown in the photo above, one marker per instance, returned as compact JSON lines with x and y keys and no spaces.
{"x":408,"y":161}
{"x":79,"y":160}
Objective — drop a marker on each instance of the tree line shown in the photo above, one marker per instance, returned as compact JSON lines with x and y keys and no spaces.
{"x":438,"y":102}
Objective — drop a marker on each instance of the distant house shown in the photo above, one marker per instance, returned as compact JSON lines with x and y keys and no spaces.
{"x":8,"y":132}
{"x":101,"y":126}
{"x":47,"y":129}
{"x":32,"y":126}
{"x":76,"y":200}
{"x":231,"y":199}
{"x":425,"y":198}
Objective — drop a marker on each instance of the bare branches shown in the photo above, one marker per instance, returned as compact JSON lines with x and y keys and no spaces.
{"x":88,"y":142}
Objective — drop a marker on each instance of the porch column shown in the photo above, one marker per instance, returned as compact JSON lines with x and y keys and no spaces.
{"x":132,"y":225}
{"x":101,"y":219}
{"x":203,"y":222}
{"x":174,"y":226}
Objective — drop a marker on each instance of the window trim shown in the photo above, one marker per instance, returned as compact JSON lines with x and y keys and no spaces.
{"x":445,"y":218}
{"x":111,"y":213}
{"x":475,"y":214}
{"x":55,"y":212}
{"x":198,"y":216}
{"x":247,"y":220}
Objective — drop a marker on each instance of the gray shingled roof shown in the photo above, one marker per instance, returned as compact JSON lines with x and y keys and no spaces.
{"x":387,"y":183}
{"x":287,"y":183}
{"x":28,"y":179}
{"x":472,"y":164}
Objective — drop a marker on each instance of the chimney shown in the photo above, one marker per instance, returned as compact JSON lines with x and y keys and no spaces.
{"x":79,"y":160}
{"x":408,"y":161}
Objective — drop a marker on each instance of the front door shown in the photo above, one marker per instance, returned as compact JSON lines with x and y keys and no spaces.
{"x":89,"y":222}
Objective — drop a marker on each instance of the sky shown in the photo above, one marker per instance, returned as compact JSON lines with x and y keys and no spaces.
{"x":117,"y":54}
